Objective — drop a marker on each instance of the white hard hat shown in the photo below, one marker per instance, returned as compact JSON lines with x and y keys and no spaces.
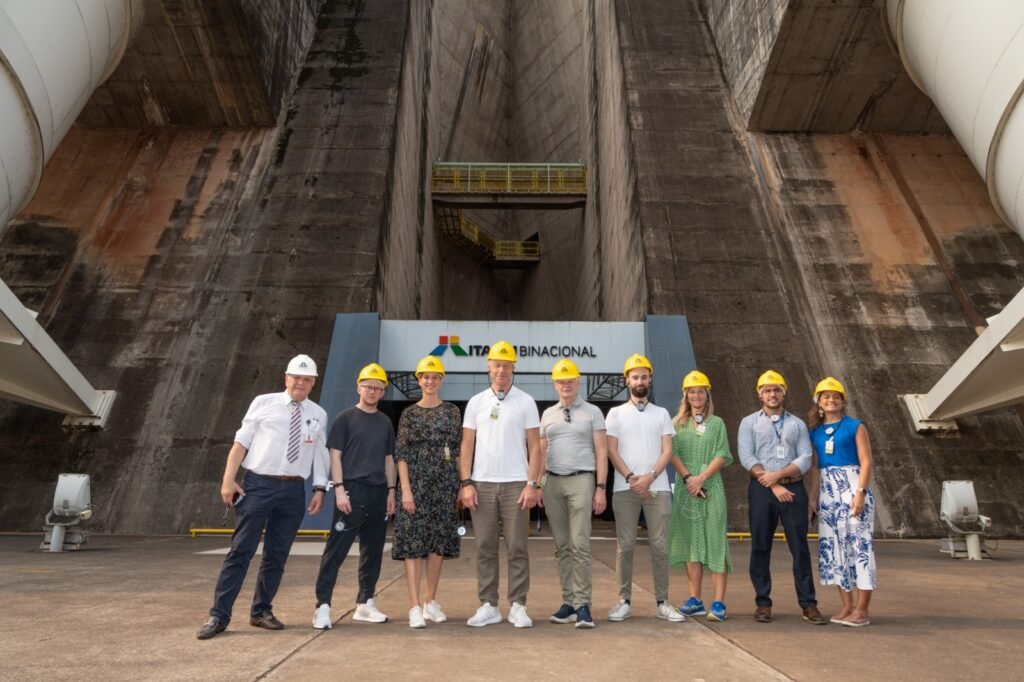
{"x":302,"y":366}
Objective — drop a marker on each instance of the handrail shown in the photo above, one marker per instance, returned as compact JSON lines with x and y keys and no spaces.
{"x":509,"y":178}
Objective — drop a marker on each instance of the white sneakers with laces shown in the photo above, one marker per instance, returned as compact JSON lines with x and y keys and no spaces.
{"x":368,"y":613}
{"x":670,"y":613}
{"x":518,"y":617}
{"x":432,"y":612}
{"x":416,"y":618}
{"x":322,"y":618}
{"x":620,"y":611}
{"x":485,"y":615}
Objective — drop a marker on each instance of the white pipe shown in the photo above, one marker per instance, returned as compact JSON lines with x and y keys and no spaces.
{"x":968,"y":57}
{"x":53,"y":55}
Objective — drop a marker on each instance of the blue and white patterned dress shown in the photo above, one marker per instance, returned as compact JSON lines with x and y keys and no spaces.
{"x":846,"y":554}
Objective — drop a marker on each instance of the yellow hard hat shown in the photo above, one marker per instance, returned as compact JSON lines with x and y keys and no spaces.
{"x":634,"y":361}
{"x":696,"y":379}
{"x":429,"y":364}
{"x":829,"y":384}
{"x":503,"y":350}
{"x":373,"y":371}
{"x":771,"y":377}
{"x":565,"y":369}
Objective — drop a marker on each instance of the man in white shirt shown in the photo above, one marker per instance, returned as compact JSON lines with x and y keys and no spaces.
{"x":640,"y":448}
{"x":500,"y":470}
{"x":282,"y":439}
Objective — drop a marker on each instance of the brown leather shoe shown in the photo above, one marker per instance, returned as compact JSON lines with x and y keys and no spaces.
{"x":813,"y":616}
{"x":211,"y":628}
{"x":266,"y":620}
{"x":763,"y":614}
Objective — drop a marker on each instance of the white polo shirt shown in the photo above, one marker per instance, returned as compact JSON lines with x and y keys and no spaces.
{"x":501,"y":455}
{"x":264,"y":433}
{"x":639,"y":435}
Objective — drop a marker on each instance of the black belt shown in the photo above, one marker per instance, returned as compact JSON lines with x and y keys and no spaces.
{"x":785,"y":480}
{"x":572,"y":473}
{"x":280,"y":478}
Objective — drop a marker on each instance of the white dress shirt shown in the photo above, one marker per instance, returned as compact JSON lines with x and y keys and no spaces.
{"x":264,"y":434}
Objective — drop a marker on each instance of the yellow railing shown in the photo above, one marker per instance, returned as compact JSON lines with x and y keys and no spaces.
{"x":509,"y":178}
{"x":454,"y":226}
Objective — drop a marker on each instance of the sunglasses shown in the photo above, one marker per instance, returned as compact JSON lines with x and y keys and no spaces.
{"x":566,"y":415}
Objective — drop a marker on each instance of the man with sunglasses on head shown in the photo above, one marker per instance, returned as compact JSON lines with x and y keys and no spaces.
{"x":640,"y":448}
{"x":774,"y":446}
{"x":574,"y":450}
{"x":280,"y":441}
{"x":362,"y":447}
{"x":499,"y":464}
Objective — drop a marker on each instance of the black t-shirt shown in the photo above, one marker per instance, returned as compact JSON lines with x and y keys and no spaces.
{"x":364,"y":439}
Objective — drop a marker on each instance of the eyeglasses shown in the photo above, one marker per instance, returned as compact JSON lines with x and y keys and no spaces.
{"x":371,"y":389}
{"x":566,"y":414}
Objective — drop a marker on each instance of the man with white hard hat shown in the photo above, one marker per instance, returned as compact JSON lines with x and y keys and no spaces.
{"x":281,"y":441}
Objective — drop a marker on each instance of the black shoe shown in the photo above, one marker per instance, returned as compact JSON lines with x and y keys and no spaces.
{"x":211,"y":628}
{"x":266,"y":620}
{"x":566,"y":614}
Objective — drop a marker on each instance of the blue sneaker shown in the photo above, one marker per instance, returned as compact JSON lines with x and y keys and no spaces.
{"x":692,"y":607}
{"x":717,"y":611}
{"x":583,"y":618}
{"x":566,"y":614}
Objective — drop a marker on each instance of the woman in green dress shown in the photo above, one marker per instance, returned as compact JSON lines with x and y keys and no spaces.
{"x":697,"y":530}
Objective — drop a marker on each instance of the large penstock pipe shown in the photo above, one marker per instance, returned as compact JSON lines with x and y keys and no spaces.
{"x":968,"y":57}
{"x":53,"y":55}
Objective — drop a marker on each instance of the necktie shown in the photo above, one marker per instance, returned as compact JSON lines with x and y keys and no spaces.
{"x":295,"y":433}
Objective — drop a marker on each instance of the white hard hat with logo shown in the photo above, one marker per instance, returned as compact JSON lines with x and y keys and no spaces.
{"x":302,"y":366}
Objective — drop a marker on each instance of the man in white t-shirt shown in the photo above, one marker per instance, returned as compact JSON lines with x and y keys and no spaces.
{"x":640,"y":448}
{"x":499,"y":464}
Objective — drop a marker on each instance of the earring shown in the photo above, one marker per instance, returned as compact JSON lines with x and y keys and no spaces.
{"x":821,"y":413}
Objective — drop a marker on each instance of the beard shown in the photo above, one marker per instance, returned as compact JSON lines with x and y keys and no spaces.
{"x":639,"y":391}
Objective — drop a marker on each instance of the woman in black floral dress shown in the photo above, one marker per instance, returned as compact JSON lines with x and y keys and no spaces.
{"x":426,"y":522}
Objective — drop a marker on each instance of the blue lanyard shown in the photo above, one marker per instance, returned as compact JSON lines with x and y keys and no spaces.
{"x":778,"y":427}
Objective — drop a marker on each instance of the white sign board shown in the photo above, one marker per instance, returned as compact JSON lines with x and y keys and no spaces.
{"x":595,"y":347}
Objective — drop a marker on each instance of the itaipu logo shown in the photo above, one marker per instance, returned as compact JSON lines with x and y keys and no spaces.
{"x":446,"y":342}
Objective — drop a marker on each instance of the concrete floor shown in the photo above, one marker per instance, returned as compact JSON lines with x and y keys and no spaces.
{"x":127,"y":608}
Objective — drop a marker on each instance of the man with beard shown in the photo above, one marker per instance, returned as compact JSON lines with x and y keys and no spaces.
{"x":640,"y":448}
{"x":775,"y":448}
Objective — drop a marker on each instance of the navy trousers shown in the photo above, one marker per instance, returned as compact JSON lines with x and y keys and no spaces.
{"x":367,"y":520}
{"x":277,"y":506}
{"x":765,"y":513}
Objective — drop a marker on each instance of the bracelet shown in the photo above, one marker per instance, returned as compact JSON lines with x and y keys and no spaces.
{"x":392,"y":487}
{"x":686,"y":478}
{"x":464,"y":482}
{"x":337,"y":484}
{"x":602,"y":486}
{"x":319,"y":489}
{"x":629,"y":476}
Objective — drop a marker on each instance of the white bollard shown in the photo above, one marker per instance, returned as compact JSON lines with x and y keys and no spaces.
{"x":973,"y":546}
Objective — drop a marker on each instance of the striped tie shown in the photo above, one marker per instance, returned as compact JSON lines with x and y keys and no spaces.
{"x":295,"y":433}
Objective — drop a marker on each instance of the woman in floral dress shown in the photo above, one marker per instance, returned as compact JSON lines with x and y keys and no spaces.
{"x":697,"y":530}
{"x":846,"y":510}
{"x":426,"y":522}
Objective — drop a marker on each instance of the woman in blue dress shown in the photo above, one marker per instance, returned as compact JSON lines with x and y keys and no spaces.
{"x":844,"y":503}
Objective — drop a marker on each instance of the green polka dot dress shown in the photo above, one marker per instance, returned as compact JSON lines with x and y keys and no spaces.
{"x":698,"y":526}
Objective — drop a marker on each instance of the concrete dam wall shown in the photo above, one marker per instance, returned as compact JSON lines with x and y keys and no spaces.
{"x":182,"y":262}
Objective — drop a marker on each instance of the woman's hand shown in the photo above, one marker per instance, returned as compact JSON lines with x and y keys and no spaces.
{"x":408,"y":504}
{"x":857,"y":505}
{"x":694,"y":485}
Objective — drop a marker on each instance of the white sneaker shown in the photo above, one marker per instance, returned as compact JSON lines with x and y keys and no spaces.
{"x":322,"y":619}
{"x":416,"y":618}
{"x":670,"y":613}
{"x":432,"y":611}
{"x":485,"y":615}
{"x":620,"y":611}
{"x":517,"y":616}
{"x":368,"y":613}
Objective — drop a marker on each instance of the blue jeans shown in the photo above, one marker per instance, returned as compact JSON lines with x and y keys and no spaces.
{"x":277,"y":505}
{"x":765,"y":512}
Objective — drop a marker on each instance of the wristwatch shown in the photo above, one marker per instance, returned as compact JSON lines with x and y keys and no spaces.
{"x":629,"y":476}
{"x":466,"y":481}
{"x":602,"y":486}
{"x":319,"y":489}
{"x":858,"y":491}
{"x":686,"y":478}
{"x":535,"y":485}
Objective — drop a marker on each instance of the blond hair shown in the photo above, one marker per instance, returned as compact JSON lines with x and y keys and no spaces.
{"x":684,"y":415}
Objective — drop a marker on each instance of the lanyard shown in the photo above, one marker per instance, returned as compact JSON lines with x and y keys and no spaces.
{"x":777,"y":426}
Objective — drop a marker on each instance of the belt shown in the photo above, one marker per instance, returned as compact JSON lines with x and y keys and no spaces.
{"x":785,"y":480}
{"x":282,"y":478}
{"x":571,"y":473}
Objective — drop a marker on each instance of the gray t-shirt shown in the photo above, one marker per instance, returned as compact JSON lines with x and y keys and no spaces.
{"x":571,"y":443}
{"x":365,"y":440}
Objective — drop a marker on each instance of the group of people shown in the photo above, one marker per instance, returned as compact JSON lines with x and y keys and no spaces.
{"x":502,"y":458}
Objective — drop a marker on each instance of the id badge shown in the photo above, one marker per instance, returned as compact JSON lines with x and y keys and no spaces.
{"x":447,"y":454}
{"x":780,"y":452}
{"x":829,"y":446}
{"x":494,"y":412}
{"x":311,"y":430}
{"x":701,"y":428}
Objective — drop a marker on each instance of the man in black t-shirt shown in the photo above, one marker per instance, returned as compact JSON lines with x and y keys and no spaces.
{"x":362,"y":441}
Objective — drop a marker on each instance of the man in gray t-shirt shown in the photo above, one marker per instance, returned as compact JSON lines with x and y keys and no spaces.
{"x":574,"y":451}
